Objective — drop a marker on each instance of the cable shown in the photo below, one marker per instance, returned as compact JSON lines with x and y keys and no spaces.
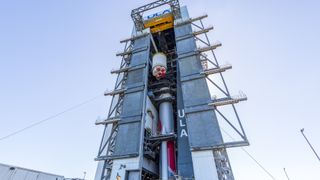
{"x":285,"y":172}
{"x":305,"y":137}
{"x":256,"y":161}
{"x":49,"y":118}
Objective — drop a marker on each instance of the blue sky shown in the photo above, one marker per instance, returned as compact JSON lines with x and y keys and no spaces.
{"x":54,"y":54}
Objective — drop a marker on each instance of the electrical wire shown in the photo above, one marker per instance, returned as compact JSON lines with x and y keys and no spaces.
{"x":285,"y":172}
{"x":49,"y":118}
{"x":254,"y":159}
{"x":259,"y":164}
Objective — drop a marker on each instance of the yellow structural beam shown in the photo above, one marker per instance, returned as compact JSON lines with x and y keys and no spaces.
{"x":160,"y":23}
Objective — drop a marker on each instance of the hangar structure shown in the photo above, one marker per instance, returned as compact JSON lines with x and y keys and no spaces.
{"x":8,"y":172}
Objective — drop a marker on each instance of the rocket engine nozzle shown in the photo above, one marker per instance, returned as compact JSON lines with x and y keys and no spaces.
{"x":159,"y":65}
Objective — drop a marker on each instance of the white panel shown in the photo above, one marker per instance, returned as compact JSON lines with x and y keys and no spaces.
{"x":19,"y":174}
{"x":99,"y":170}
{"x":46,"y":177}
{"x":4,"y":170}
{"x":204,"y":166}
{"x":120,"y":166}
{"x":151,"y":122}
{"x":31,"y":175}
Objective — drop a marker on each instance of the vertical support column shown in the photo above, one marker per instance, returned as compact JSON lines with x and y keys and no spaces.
{"x":126,"y":154}
{"x":184,"y":160}
{"x":223,"y":164}
{"x":203,"y":128}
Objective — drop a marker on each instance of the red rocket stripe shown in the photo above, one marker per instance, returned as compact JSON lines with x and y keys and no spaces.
{"x":171,"y":156}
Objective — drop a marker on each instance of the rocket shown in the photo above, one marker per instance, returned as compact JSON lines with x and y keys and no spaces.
{"x":167,"y":150}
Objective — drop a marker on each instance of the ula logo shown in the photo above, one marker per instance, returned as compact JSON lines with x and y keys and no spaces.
{"x":182,"y":123}
{"x":158,"y":14}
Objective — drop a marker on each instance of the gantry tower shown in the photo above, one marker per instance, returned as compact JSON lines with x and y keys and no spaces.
{"x":163,"y":122}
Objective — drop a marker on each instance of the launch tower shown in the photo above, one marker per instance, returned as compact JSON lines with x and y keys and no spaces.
{"x":163,"y":122}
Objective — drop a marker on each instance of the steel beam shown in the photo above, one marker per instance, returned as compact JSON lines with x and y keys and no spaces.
{"x":190,"y":20}
{"x":114,"y":92}
{"x":226,"y":101}
{"x":209,"y":48}
{"x":196,"y":33}
{"x":216,"y":70}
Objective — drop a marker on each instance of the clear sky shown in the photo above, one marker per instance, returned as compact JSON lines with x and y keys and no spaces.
{"x":57,"y":53}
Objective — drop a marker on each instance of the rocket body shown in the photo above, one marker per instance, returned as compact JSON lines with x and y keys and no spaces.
{"x":168,"y":164}
{"x":167,"y":150}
